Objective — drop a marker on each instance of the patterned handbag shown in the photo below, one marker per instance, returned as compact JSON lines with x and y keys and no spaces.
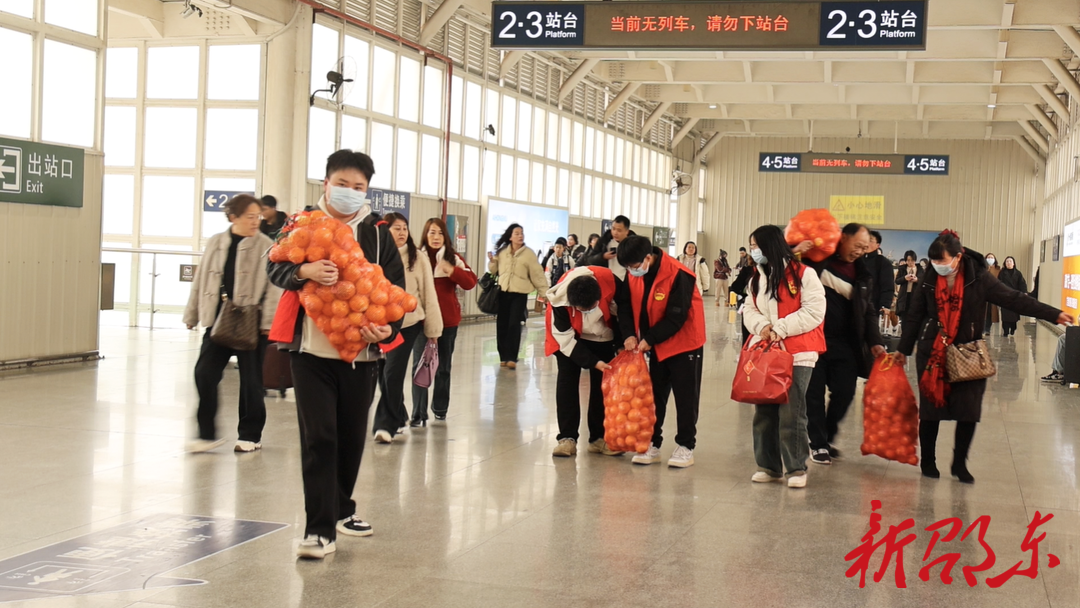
{"x":236,"y":327}
{"x":967,"y":362}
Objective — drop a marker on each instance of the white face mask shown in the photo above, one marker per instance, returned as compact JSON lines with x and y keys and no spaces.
{"x":347,"y":201}
{"x":991,"y":261}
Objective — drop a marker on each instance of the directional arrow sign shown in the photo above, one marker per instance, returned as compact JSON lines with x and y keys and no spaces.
{"x":214,"y":200}
{"x":127,"y":557}
{"x":11,"y":169}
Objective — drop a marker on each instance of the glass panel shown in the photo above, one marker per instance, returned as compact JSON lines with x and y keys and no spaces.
{"x":382,"y":81}
{"x":701,"y":186}
{"x":429,"y":165}
{"x":635,"y":164}
{"x":538,"y":131}
{"x":575,"y":194}
{"x":324,"y":55}
{"x":598,"y":199}
{"x":409,"y":90}
{"x":553,"y":136}
{"x":620,"y":149}
{"x":474,"y":107}
{"x":17,"y":50}
{"x":650,"y":176}
{"x":232,"y":138}
{"x":618,"y":206}
{"x":506,"y":127}
{"x":457,"y":99}
{"x":118,"y":204}
{"x":491,"y":172}
{"x":524,"y":127}
{"x":586,"y":202}
{"x":506,"y":176}
{"x":564,"y":188}
{"x":470,"y":174}
{"x":405,"y":167}
{"x":356,"y":58}
{"x":121,"y":71}
{"x":564,"y":140}
{"x":551,"y":185}
{"x":700,"y":216}
{"x":234,"y":72}
{"x":321,"y":130}
{"x":590,"y":134}
{"x":168,"y":205}
{"x":521,"y":191}
{"x":169,"y":138}
{"x":214,"y":222}
{"x":68,"y":94}
{"x":575,"y":156}
{"x":537,"y":195}
{"x":454,"y":171}
{"x":22,"y":8}
{"x":354,"y":133}
{"x":609,"y":156}
{"x":78,"y":15}
{"x":172,"y":72}
{"x":433,"y":97}
{"x":119,"y":136}
{"x":382,"y":139}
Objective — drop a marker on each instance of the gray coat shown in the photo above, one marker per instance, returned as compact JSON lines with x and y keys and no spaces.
{"x":252,"y":285}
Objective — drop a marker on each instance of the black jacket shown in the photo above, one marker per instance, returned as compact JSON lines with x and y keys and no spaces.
{"x":1013,"y":279}
{"x":379,"y":248}
{"x":882,"y":270}
{"x":921,"y":326}
{"x":595,"y":256}
{"x":576,"y":253}
{"x":903,"y":298}
{"x":864,"y":331}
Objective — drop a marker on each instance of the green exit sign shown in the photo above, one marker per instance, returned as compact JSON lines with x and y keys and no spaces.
{"x":40,"y":174}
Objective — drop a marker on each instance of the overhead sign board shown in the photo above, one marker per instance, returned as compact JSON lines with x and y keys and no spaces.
{"x":867,"y":164}
{"x":711,"y":26}
{"x":389,"y":201}
{"x":40,"y":174}
{"x":214,"y":200}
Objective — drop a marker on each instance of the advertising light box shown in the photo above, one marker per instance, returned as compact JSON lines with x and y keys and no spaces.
{"x":1070,"y":254}
{"x":542,"y":224}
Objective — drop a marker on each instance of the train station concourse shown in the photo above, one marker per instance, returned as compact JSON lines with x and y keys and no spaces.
{"x":627,"y":304}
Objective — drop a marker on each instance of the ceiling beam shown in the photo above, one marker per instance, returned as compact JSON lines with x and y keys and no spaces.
{"x":1032,"y":152}
{"x":627,"y":90}
{"x":150,"y":13}
{"x":655,"y":116}
{"x":1035,"y":136}
{"x":1064,"y":77}
{"x":438,"y":19}
{"x":1070,"y":36}
{"x":709,"y":145}
{"x":1043,"y":119}
{"x":510,"y":59}
{"x":250,"y":27}
{"x":1053,"y":101}
{"x":683,"y":132}
{"x":579,"y":74}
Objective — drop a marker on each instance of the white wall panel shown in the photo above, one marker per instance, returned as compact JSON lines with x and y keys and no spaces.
{"x":990,"y":195}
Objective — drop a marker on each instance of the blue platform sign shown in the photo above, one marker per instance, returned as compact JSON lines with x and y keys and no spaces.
{"x":389,"y":201}
{"x":214,"y":200}
{"x":127,"y":557}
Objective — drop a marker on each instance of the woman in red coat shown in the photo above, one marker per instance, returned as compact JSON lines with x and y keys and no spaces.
{"x":451,"y":272}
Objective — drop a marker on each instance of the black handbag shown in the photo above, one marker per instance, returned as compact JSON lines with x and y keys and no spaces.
{"x":488,"y":300}
{"x":236,"y":327}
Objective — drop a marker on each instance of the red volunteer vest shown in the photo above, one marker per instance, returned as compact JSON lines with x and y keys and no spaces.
{"x":811,"y":341}
{"x":606,"y":280}
{"x":692,"y":334}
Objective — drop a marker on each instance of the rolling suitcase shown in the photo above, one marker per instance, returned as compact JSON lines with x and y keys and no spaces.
{"x":277,"y":370}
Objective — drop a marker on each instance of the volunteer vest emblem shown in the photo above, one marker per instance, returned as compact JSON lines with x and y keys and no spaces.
{"x":659,"y":296}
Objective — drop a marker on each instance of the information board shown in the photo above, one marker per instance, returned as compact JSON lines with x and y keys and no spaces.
{"x":869,"y":164}
{"x":214,"y":200}
{"x":389,"y":201}
{"x":40,"y":174}
{"x":710,"y":26}
{"x":542,"y":224}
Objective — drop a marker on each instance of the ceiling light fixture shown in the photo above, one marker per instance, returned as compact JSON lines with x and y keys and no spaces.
{"x":712,"y":106}
{"x":991,"y":106}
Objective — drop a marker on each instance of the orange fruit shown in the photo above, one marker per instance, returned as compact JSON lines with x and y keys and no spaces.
{"x":323,"y":237}
{"x":344,"y":290}
{"x":379,"y":296}
{"x":395,"y":293}
{"x":340,"y":308}
{"x":316,"y":253}
{"x":394,"y":312}
{"x":303,"y":220}
{"x":325,"y":292}
{"x":336,"y":338}
{"x":352,"y":270}
{"x":309,"y":287}
{"x":352,"y":334}
{"x":376,"y":314}
{"x":364,"y":286}
{"x":408,"y":302}
{"x":297,"y":255}
{"x":339,"y":258}
{"x":312,"y":304}
{"x":314,"y":215}
{"x":323,"y":323}
{"x":343,"y":236}
{"x":301,"y":237}
{"x":338,"y":324}
{"x":357,"y":319}
{"x":277,"y":254}
{"x":358,"y":303}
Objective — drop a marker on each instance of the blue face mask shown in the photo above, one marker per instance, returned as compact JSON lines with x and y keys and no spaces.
{"x":640,"y":271}
{"x":942,"y":269}
{"x":759,"y":258}
{"x":347,"y":201}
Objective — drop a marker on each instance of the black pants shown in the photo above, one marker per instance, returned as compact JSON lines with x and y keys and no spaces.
{"x":508,"y":324}
{"x":837,"y":371}
{"x":1008,"y":327}
{"x":332,"y":403}
{"x":440,"y":403}
{"x":568,"y":395}
{"x":928,"y":434}
{"x":213,"y":359}
{"x":390,"y":414}
{"x":679,"y":375}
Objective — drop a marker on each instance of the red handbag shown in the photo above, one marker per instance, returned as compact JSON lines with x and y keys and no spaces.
{"x":764,"y":374}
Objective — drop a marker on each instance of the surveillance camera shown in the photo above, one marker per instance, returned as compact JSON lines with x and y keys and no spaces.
{"x":847,"y":149}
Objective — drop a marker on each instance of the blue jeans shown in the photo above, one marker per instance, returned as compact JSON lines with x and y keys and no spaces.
{"x":780,"y":440}
{"x":1059,"y":355}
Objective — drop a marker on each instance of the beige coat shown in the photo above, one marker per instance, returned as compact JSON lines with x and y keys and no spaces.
{"x":420,"y":283}
{"x":518,"y":272}
{"x":252,"y":286}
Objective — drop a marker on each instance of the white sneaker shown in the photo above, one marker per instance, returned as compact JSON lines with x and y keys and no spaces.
{"x":763,"y":477}
{"x":383,"y":437}
{"x":653,"y":455}
{"x":401,"y":430}
{"x":199,"y":446}
{"x":797,"y":481}
{"x":247,"y":446}
{"x":682,"y":457}
{"x":315,"y":547}
{"x":354,"y":526}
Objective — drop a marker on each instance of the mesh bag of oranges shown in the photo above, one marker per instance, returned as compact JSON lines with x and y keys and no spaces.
{"x":817,"y":226}
{"x":890,"y":415}
{"x":629,"y":410}
{"x":362,"y":296}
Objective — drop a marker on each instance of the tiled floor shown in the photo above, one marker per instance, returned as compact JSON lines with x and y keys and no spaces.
{"x":477,"y":513}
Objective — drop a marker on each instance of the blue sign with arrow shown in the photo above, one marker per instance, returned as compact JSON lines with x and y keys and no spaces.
{"x":214,"y":200}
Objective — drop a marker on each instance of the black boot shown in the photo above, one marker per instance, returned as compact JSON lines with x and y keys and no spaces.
{"x":928,"y":432}
{"x":965,"y":431}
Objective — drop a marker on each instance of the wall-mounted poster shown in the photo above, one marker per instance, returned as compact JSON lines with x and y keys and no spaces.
{"x":1042,"y":251}
{"x":1057,"y":248}
{"x":605,"y":225}
{"x":894,"y":243}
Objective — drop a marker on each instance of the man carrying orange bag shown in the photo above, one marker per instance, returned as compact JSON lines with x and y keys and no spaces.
{"x":666,"y":319}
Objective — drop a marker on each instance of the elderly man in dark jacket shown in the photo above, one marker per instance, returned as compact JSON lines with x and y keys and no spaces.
{"x":603,"y":254}
{"x":851,"y":335}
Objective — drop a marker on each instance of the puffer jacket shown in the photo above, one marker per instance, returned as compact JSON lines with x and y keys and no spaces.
{"x":518,"y":272}
{"x":251,"y":286}
{"x":420,"y":283}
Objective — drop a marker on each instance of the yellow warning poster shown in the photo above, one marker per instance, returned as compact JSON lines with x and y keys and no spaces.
{"x":862,"y":209}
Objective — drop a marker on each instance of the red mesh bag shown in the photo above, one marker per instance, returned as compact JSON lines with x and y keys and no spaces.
{"x":890,"y":415}
{"x":629,"y":410}
{"x":817,"y":226}
{"x":362,"y":296}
